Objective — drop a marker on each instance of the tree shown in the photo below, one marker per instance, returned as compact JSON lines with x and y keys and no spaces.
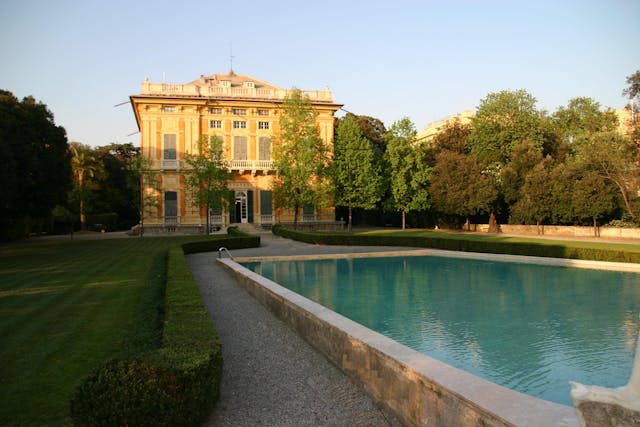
{"x":536,"y":200}
{"x":36,"y":171}
{"x":614,"y":158}
{"x":524,"y":158}
{"x":84,"y":165}
{"x":581,"y":119}
{"x":357,"y":179}
{"x":592,"y":197}
{"x":460,"y":186}
{"x":207,"y":174}
{"x":410,"y":172}
{"x":142,"y":176}
{"x":633,"y":90}
{"x":453,"y":137}
{"x":633,"y":93}
{"x":119,"y":184}
{"x":502,"y":120}
{"x":300,"y":157}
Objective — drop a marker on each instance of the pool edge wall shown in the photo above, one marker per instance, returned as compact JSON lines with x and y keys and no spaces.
{"x":418,"y":389}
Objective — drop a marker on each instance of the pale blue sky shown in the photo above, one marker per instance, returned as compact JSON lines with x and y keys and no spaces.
{"x":422,"y":59}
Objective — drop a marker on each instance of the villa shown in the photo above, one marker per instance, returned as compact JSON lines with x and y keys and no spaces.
{"x":244,"y":112}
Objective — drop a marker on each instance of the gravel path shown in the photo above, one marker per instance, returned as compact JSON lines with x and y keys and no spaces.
{"x":272,"y":376}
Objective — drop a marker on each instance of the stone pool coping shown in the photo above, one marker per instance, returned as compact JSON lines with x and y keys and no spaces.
{"x":418,"y":389}
{"x":557,"y":262}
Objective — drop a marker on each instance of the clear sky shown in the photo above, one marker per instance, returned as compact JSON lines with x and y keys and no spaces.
{"x":423,"y":59}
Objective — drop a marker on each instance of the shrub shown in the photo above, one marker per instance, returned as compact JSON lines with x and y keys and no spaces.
{"x":235,"y":239}
{"x":438,"y":241}
{"x":175,"y":384}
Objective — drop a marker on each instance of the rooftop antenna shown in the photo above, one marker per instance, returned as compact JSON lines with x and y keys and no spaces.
{"x":231,"y":59}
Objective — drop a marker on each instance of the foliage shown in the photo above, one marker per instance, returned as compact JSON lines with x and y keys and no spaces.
{"x":235,"y":240}
{"x":207,"y":174}
{"x":300,"y":156}
{"x":409,"y":172}
{"x":119,"y":184}
{"x":633,"y":88}
{"x":36,"y":171}
{"x":84,"y":166}
{"x":453,"y":137}
{"x":503,"y":120}
{"x":473,"y":243}
{"x":581,"y":119}
{"x":356,"y":176}
{"x":452,"y":190}
{"x":614,"y":158}
{"x":536,"y":201}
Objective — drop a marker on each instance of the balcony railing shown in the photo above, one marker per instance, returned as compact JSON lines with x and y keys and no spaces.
{"x":251,"y":165}
{"x":266,"y":219}
{"x":192,"y":90}
{"x":170,"y":164}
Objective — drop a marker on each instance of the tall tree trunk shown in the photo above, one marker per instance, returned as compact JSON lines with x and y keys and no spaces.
{"x":595,"y":227}
{"x":538,"y":227}
{"x":467,"y":224}
{"x":295,"y":217}
{"x":350,"y":219}
{"x":208,"y":219}
{"x":493,"y":224}
{"x":403,"y":219}
{"x":83,"y":220}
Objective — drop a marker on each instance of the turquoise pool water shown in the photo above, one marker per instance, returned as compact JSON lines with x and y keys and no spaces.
{"x":527,"y":327}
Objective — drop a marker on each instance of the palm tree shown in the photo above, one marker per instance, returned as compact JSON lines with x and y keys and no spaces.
{"x":82,"y":162}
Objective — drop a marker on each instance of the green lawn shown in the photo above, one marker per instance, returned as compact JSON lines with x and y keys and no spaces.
{"x":65,"y":307}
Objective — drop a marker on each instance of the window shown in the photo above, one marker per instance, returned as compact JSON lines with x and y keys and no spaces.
{"x":263,"y":112}
{"x":266,"y":205}
{"x":239,"y":111}
{"x":263,"y":125}
{"x":170,"y":204}
{"x":169,"y":152}
{"x":215,"y":110}
{"x":215,"y":124}
{"x":249,"y":84}
{"x":168,"y":109}
{"x":264,"y":148}
{"x":239,"y":148}
{"x":239,"y":124}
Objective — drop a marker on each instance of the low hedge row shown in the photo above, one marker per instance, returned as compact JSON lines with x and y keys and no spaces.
{"x":174,"y":384}
{"x":543,"y":249}
{"x":170,"y":368}
{"x":235,"y":239}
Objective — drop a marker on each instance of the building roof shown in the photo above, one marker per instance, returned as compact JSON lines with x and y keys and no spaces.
{"x":236,"y":80}
{"x":228,"y":86}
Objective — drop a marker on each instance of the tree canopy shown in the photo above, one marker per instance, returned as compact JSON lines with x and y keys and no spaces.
{"x":207,"y":174}
{"x":357,"y":178}
{"x":36,"y":172}
{"x":301,"y":157}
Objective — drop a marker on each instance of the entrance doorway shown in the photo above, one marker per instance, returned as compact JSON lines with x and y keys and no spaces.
{"x":241,"y":210}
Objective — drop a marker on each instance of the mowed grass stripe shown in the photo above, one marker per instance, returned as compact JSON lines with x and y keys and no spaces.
{"x":65,"y":308}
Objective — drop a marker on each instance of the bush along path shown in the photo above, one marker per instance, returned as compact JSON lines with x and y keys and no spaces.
{"x":170,"y":373}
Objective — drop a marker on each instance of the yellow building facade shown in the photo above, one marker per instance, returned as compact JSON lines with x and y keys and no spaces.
{"x":244,"y":113}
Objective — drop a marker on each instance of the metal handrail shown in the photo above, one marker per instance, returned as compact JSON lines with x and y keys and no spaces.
{"x":225,"y":250}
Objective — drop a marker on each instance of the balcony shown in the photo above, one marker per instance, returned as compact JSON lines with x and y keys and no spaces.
{"x":172,"y":164}
{"x":253,"y":166}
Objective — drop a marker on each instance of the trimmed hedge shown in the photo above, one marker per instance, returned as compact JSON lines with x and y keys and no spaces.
{"x":176,"y":384}
{"x":543,"y":249}
{"x":235,"y":239}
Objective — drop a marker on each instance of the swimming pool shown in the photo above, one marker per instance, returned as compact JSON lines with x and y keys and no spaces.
{"x":528,"y":327}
